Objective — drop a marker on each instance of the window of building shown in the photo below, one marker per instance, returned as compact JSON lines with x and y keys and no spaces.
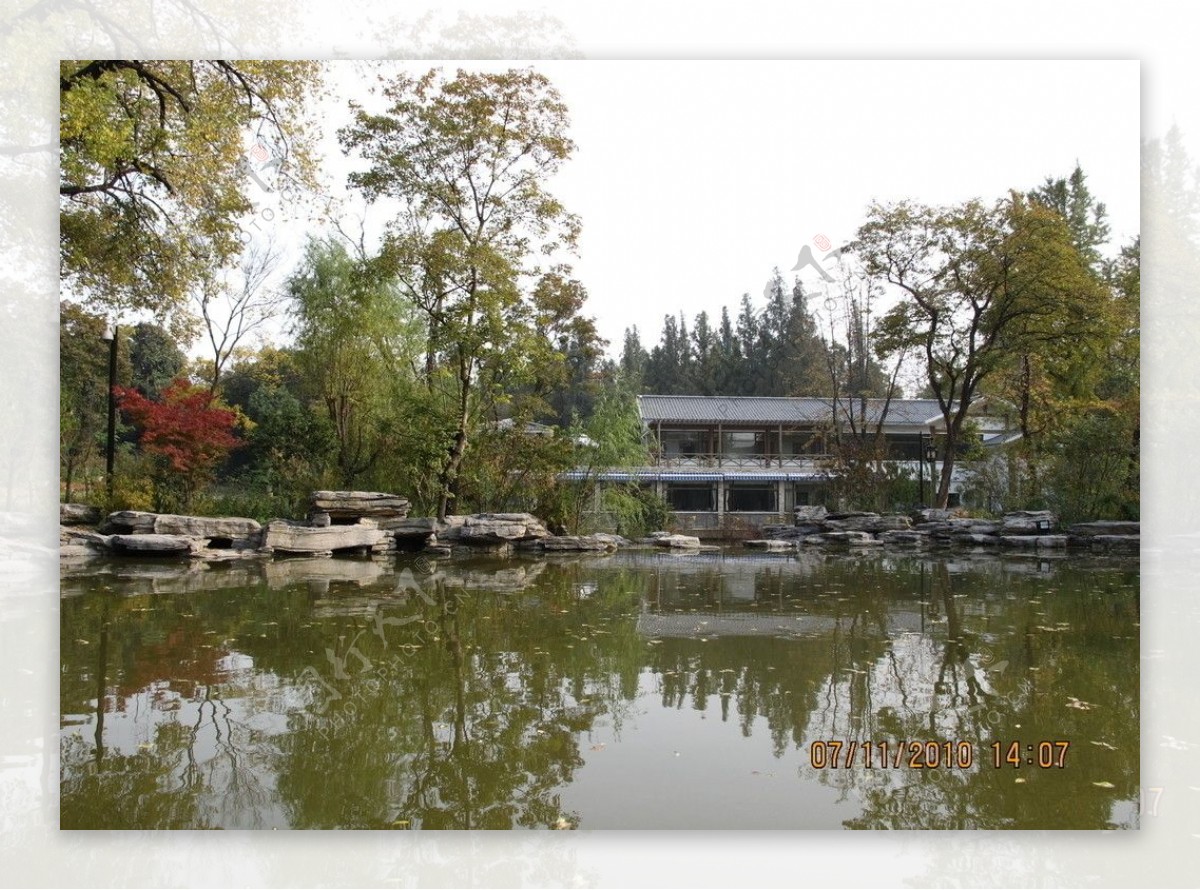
{"x":744,"y":443}
{"x":683,"y":443}
{"x":690,"y":497}
{"x":751,"y":498}
{"x":799,"y":443}
{"x":809,"y":494}
{"x":905,"y":446}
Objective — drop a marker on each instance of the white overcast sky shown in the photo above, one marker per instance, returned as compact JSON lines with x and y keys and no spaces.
{"x":694,"y":179}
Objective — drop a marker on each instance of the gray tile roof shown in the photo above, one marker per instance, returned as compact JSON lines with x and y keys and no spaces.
{"x":772,"y":409}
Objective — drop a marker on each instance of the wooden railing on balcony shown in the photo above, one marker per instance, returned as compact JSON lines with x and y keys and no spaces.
{"x":740,"y":461}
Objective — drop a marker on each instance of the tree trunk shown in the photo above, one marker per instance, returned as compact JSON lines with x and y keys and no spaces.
{"x":943,"y":495}
{"x":449,"y":475}
{"x":69,"y":473}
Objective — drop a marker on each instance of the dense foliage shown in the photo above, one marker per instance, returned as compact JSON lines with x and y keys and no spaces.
{"x":185,"y":433}
{"x":454,"y":361}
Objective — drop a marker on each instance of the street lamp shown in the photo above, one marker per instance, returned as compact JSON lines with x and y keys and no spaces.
{"x":110,"y":335}
{"x":921,"y":467}
{"x":931,"y":456}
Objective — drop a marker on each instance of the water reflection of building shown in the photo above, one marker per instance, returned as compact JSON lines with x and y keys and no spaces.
{"x":697,"y":625}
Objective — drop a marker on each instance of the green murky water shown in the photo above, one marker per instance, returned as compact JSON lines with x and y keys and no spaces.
{"x":641,"y":690}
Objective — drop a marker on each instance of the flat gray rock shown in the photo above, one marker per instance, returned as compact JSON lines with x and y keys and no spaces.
{"x":232,"y":527}
{"x":290,"y":538}
{"x":128,"y":522}
{"x":806,"y":513}
{"x":499,"y":528}
{"x":1028,"y":522}
{"x":905,"y":538}
{"x":78,"y":514}
{"x":180,"y":545}
{"x":678,"y":542}
{"x":569,"y":543}
{"x":359,"y":504}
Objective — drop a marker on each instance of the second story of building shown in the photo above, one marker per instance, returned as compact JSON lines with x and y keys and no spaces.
{"x":753,"y":432}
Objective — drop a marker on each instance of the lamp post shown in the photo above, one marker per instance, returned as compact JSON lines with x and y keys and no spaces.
{"x":921,"y":467}
{"x":110,"y":334}
{"x":931,"y":456}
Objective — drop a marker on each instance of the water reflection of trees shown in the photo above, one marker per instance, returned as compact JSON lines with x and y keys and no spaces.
{"x":468,"y":715}
{"x":456,"y":699}
{"x":923,"y":650}
{"x":1008,"y":656}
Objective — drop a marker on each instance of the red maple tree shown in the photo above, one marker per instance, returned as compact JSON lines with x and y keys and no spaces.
{"x":187,"y":434}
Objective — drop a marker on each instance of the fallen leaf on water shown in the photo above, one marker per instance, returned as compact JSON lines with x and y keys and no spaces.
{"x":84,"y":642}
{"x":1104,"y":784}
{"x":1019,"y":781}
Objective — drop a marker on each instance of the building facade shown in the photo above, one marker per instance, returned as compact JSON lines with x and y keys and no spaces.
{"x":727,"y":465}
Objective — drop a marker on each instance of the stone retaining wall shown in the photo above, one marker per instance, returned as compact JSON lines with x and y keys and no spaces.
{"x":1025,"y":530}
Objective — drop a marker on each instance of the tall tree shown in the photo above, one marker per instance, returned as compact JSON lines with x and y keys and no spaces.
{"x":155,"y":358}
{"x":979,"y":284}
{"x":747,"y":370}
{"x":1086,"y":217}
{"x":83,"y":391}
{"x":469,"y":159}
{"x":153,"y":181}
{"x":633,"y":359}
{"x":354,"y":343}
{"x":729,"y":355}
{"x":704,"y":357}
{"x":566,"y":373}
{"x":854,"y":379}
{"x":234,"y":308}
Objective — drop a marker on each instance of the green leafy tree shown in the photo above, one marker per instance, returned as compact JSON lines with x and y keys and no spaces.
{"x":979,"y":285}
{"x":154,"y":178}
{"x":613,"y":439}
{"x":633,"y":358}
{"x":469,"y":158}
{"x":155,"y":358}
{"x":354,"y":337}
{"x":83,"y":393}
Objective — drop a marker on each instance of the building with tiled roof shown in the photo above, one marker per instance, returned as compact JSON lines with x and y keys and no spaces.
{"x":725,"y":462}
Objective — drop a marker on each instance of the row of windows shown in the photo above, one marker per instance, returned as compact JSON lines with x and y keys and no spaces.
{"x":739,"y":497}
{"x":795,"y":443}
{"x":740,"y":443}
{"x":686,"y":497}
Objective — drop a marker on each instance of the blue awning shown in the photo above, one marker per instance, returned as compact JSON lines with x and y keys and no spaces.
{"x":681,"y":476}
{"x":779,"y":476}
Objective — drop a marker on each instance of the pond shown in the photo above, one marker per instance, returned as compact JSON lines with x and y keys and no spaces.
{"x":637,"y":690}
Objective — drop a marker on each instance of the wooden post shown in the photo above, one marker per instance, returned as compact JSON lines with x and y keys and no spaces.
{"x":111,"y":444}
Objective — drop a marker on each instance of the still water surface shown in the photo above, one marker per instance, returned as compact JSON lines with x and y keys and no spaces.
{"x":639,"y":690}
